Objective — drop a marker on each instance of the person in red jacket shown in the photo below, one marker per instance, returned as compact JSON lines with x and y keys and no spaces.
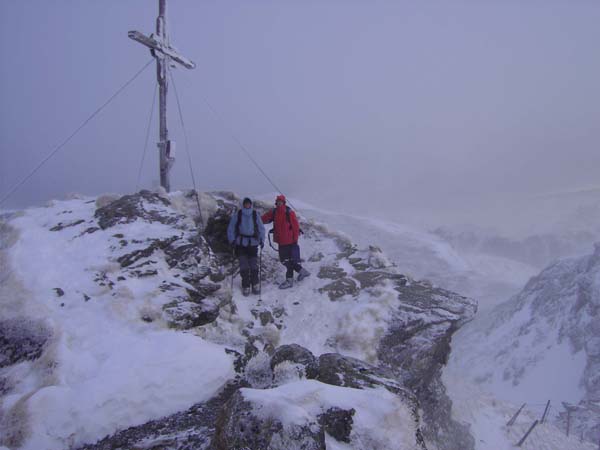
{"x":285,"y":232}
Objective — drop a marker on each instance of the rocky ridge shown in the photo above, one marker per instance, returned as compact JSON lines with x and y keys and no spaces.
{"x":402,"y":353}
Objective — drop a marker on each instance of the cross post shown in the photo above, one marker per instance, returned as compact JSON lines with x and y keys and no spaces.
{"x":161,"y":50}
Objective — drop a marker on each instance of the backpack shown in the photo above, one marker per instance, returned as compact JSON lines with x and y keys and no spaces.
{"x":287,"y":215}
{"x":239,"y":221}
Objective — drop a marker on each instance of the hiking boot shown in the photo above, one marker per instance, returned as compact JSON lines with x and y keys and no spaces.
{"x":256,"y":289}
{"x":303,"y":274}
{"x":246,"y":291}
{"x":288,"y":283}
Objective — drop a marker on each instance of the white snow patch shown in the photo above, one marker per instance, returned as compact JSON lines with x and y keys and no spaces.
{"x":381,"y":421}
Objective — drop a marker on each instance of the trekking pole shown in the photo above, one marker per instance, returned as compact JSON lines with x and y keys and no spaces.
{"x":260,"y":275}
{"x":232,"y":268}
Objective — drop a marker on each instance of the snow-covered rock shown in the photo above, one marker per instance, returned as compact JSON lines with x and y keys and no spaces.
{"x":145,"y":342}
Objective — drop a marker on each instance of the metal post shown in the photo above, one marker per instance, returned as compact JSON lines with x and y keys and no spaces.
{"x":568,"y":421}
{"x":513,"y":418}
{"x":527,"y":434}
{"x":545,"y":411}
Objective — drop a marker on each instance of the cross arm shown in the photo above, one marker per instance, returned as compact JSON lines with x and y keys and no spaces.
{"x":158,"y":46}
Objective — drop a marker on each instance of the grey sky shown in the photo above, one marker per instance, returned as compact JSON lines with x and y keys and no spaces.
{"x":422,"y":106}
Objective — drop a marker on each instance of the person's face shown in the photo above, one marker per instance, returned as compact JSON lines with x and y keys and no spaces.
{"x":247,"y":205}
{"x":279,"y":203}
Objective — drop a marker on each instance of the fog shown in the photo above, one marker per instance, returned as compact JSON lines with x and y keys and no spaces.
{"x":425,"y":112}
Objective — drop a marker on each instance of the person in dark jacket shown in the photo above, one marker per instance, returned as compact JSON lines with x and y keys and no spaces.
{"x":285,"y":233}
{"x":245,"y":233}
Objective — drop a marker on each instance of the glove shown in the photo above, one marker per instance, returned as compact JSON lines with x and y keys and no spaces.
{"x":262,"y":244}
{"x":232,"y":244}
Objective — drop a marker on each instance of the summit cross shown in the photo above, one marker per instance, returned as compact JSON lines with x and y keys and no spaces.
{"x":161,"y":50}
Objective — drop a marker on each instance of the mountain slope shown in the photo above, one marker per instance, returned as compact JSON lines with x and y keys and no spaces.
{"x":542,"y":344}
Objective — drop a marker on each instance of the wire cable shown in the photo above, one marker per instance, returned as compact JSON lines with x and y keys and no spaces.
{"x":243,"y":147}
{"x":137,"y":183}
{"x":72,"y":135}
{"x":187,"y":149}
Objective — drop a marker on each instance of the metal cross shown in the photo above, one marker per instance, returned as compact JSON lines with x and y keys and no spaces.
{"x":161,"y":49}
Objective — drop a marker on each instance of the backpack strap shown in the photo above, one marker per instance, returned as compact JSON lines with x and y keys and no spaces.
{"x":239,"y":221}
{"x":255,"y":217}
{"x":255,"y":235}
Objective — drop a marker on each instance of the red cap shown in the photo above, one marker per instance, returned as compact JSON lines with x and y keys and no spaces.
{"x":280,"y":197}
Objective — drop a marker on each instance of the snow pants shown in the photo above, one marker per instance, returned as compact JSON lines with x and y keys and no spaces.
{"x":289,"y":255}
{"x":248,"y":258}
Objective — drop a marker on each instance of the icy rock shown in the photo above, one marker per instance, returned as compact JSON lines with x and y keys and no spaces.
{"x":215,"y":231}
{"x":258,"y":372}
{"x":339,"y":288}
{"x":130,"y":208}
{"x":106,"y":199}
{"x":296,"y":354}
{"x":316,"y":257}
{"x":331,"y":272}
{"x":190,"y":314}
{"x":337,"y":423}
{"x":344,"y":371}
{"x":21,"y":339}
{"x":193,"y":428}
{"x":240,"y":427}
{"x":375,"y":277}
{"x":131,"y":258}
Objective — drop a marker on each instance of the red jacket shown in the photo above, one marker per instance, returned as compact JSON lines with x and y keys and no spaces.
{"x":285,"y":231}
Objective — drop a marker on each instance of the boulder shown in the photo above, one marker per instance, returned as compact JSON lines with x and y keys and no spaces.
{"x":297,"y":354}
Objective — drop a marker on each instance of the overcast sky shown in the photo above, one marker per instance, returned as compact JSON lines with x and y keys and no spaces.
{"x":358,"y":105}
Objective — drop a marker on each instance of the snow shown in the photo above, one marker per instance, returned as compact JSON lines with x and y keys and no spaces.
{"x":425,"y":255}
{"x":106,"y":369}
{"x":488,"y":418}
{"x":381,"y":420}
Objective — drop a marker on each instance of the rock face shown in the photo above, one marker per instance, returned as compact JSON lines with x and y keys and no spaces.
{"x":417,"y":347}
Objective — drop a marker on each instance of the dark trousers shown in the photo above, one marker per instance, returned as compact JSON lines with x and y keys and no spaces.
{"x":248,"y":258}
{"x":289,"y":255}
